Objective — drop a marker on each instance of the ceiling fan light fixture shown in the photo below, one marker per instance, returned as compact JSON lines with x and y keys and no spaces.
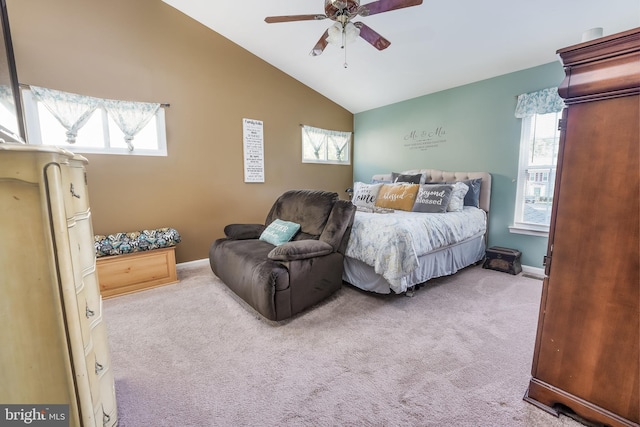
{"x":340,"y":35}
{"x":335,"y":34}
{"x":351,"y":32}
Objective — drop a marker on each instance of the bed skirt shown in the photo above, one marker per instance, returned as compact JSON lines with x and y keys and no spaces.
{"x":443,"y":262}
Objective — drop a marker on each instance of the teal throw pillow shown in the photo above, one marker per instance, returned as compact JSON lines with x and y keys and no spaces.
{"x":279,"y":232}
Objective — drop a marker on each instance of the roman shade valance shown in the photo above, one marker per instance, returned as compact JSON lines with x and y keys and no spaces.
{"x":541,"y":102}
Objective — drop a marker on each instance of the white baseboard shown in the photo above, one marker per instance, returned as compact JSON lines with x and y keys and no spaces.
{"x":196,"y":263}
{"x":536,"y":272}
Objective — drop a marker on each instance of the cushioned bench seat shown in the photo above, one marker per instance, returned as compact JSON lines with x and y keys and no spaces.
{"x":135,"y":241}
{"x":134,"y":261}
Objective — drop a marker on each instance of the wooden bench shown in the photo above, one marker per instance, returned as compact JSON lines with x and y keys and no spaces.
{"x":124,"y":274}
{"x":134,"y":261}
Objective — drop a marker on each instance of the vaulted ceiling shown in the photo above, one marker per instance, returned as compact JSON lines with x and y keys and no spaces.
{"x":435,"y":46}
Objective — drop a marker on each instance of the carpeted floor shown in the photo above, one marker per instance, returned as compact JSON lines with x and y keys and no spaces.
{"x":457,"y":354}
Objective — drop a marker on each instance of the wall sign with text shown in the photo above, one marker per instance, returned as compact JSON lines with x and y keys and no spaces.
{"x":253,"y":149}
{"x":424,"y":139}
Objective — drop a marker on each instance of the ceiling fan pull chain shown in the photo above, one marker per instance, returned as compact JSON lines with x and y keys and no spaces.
{"x":344,"y":44}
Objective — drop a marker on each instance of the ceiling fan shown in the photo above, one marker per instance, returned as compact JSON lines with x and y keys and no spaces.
{"x":342,"y":11}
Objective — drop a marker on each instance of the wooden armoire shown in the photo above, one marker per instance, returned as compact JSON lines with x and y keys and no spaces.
{"x":586,"y":359}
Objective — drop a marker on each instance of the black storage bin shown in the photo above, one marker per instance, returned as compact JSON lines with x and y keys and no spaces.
{"x":503,"y":259}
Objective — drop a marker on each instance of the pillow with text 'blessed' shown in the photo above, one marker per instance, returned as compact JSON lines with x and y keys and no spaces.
{"x":279,"y":232}
{"x":397,"y":196}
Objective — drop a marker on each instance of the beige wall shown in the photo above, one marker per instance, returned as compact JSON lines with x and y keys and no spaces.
{"x":144,"y":50}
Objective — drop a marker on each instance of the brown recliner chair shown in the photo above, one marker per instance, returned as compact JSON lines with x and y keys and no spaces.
{"x":280,"y":281}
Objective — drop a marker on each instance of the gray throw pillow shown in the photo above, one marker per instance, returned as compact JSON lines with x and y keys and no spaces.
{"x":472,"y":198}
{"x":413,"y":179}
{"x":433,"y":198}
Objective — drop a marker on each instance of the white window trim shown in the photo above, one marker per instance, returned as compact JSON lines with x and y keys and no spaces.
{"x":519,"y":227}
{"x":327,"y":161}
{"x":34,"y":135}
{"x":530,"y":229}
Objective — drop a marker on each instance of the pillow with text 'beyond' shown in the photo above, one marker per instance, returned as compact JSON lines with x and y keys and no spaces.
{"x":433,"y":198}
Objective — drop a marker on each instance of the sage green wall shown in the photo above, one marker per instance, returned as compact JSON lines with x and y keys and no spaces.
{"x":467,"y":128}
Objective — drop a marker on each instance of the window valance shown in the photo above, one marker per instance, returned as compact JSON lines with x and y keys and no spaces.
{"x":73,"y":111}
{"x":326,"y":145}
{"x":541,"y":102}
{"x":6,"y":97}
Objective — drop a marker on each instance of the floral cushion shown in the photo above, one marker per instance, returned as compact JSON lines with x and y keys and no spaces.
{"x":135,"y":241}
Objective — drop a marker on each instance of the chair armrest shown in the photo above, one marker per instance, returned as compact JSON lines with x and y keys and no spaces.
{"x":243,"y":231}
{"x":300,"y":249}
{"x":338,"y":228}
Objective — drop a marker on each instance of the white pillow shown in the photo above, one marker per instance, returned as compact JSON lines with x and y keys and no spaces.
{"x":456,"y":202}
{"x":365,"y":195}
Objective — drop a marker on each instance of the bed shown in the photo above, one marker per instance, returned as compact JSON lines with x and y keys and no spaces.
{"x":395,"y":250}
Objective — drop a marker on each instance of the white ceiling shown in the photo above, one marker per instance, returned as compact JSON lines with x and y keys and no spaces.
{"x":435,"y":46}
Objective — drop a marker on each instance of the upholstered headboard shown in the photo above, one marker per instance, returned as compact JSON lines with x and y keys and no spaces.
{"x":436,"y":175}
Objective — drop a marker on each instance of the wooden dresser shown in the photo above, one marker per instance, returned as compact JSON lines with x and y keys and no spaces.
{"x":53,"y":339}
{"x":586,"y":358}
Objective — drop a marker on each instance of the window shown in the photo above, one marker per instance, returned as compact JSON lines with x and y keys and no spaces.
{"x":539,"y":141}
{"x":95,"y":126}
{"x":538,"y":156}
{"x":325,"y":146}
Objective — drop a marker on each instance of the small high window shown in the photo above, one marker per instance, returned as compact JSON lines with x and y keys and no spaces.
{"x":325,"y":146}
{"x":85,"y":124}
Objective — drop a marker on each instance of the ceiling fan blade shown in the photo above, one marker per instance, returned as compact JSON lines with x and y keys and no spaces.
{"x":373,"y":38}
{"x":291,"y":18}
{"x":385,"y":6}
{"x":322,"y":43}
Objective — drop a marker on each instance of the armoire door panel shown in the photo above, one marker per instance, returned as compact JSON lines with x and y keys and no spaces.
{"x":591,"y":325}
